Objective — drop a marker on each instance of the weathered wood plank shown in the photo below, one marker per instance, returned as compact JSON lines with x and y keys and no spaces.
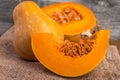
{"x":4,"y":26}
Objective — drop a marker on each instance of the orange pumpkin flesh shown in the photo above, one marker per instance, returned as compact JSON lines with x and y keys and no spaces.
{"x":74,"y":27}
{"x":29,"y":19}
{"x":43,"y":45}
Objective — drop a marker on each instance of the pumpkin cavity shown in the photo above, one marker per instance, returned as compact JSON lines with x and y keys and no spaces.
{"x":66,"y":15}
{"x":74,"y":49}
{"x":82,"y":47}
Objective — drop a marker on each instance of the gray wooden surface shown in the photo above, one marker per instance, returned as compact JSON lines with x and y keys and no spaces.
{"x":106,"y":11}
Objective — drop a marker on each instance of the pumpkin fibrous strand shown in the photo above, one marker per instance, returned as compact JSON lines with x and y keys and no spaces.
{"x":66,"y":15}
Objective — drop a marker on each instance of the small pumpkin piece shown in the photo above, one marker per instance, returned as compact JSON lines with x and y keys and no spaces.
{"x":70,"y":64}
{"x":28,"y":19}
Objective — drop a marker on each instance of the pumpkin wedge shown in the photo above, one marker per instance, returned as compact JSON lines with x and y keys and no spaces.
{"x":74,"y":18}
{"x":45,"y":50}
{"x":28,"y":19}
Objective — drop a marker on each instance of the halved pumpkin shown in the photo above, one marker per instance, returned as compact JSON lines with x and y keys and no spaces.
{"x":45,"y":50}
{"x":74,"y":18}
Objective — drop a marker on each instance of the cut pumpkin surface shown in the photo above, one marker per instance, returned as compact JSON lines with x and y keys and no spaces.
{"x":74,"y":18}
{"x":43,"y":45}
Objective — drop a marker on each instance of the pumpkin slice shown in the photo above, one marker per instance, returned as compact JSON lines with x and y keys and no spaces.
{"x":74,"y":18}
{"x":45,"y":50}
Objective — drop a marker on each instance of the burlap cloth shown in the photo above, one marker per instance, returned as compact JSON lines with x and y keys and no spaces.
{"x":14,"y":68}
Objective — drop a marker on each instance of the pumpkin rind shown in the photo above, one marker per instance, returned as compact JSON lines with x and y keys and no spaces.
{"x":29,"y":19}
{"x":75,"y":27}
{"x":63,"y":65}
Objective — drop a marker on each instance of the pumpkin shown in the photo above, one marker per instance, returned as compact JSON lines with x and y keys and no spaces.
{"x":28,"y":19}
{"x":74,"y":18}
{"x":69,"y":64}
{"x":83,"y":48}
